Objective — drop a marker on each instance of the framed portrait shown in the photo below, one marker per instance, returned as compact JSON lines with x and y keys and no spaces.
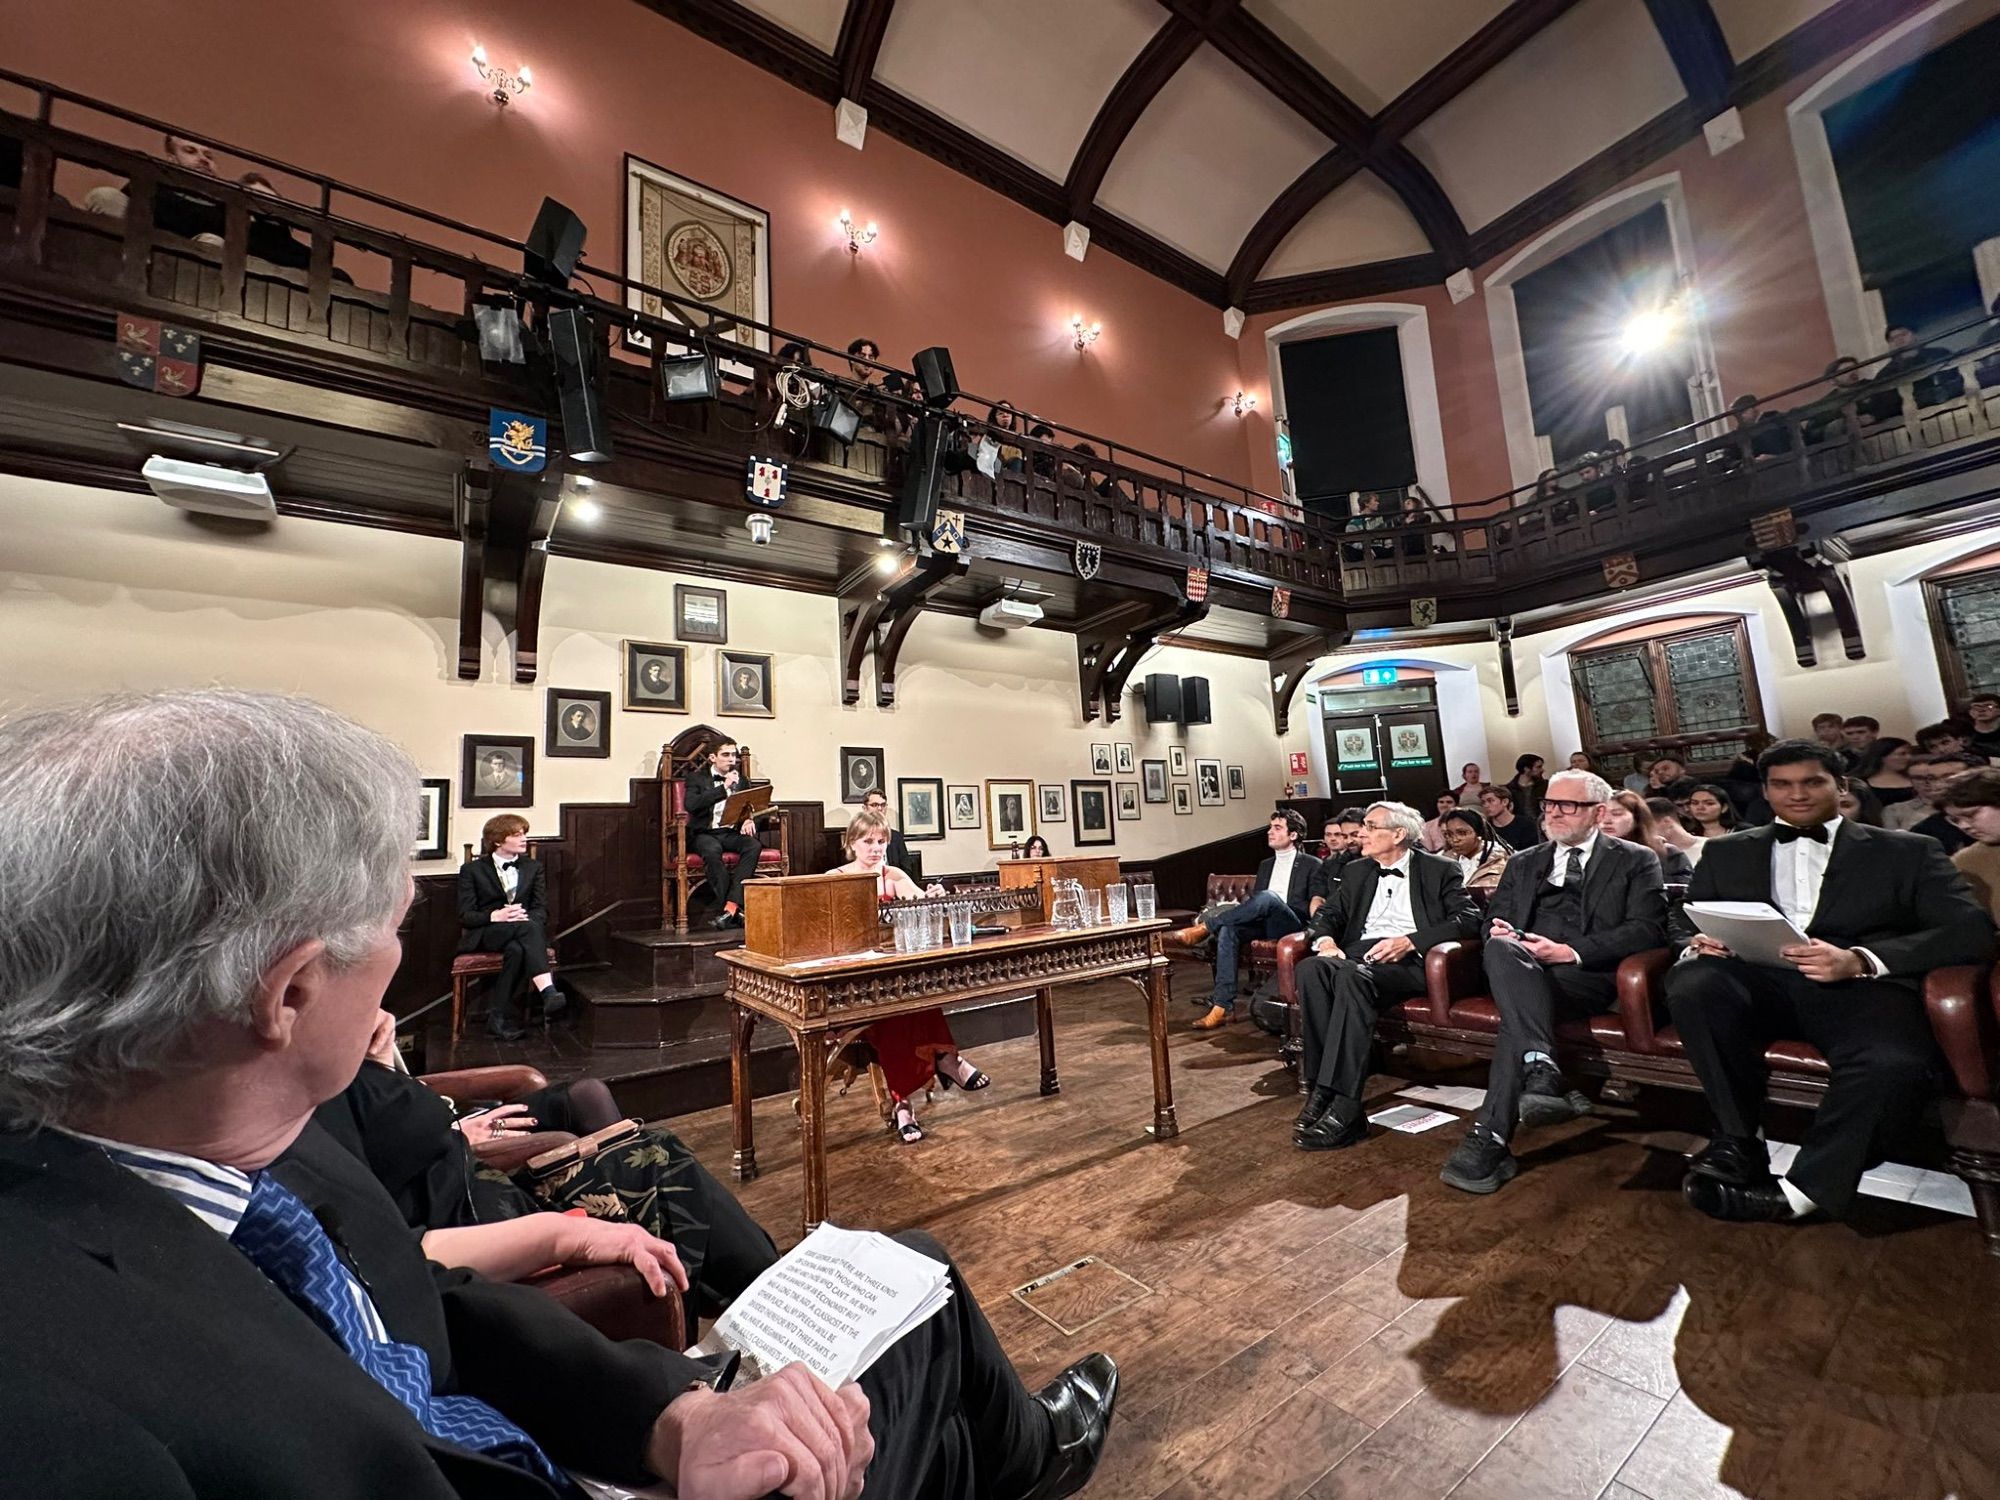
{"x":701,"y":614}
{"x":655,"y":678}
{"x":496,"y":770}
{"x":1208,"y":782}
{"x":1100,"y":760}
{"x":961,"y":807}
{"x":1010,"y":813}
{"x":1183,"y":799}
{"x":1177,"y":760}
{"x":1050,"y":808}
{"x":920,"y":807}
{"x":743,"y":686}
{"x":1153,"y":779}
{"x":696,"y":245}
{"x":1238,"y":788}
{"x":1091,"y":801}
{"x":861,"y":773}
{"x":1128,"y":800}
{"x":1123,"y":759}
{"x":577,"y":725}
{"x":434,"y":820}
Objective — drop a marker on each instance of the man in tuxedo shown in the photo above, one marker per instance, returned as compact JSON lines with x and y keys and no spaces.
{"x":877,"y":802}
{"x":1563,"y":916}
{"x":1390,"y":908}
{"x":216,"y":1298}
{"x":706,"y":789}
{"x":1276,"y":907}
{"x":1880,"y":909}
{"x":503,"y":907}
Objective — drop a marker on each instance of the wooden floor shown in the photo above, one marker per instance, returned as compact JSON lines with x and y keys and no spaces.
{"x":1342,"y":1324}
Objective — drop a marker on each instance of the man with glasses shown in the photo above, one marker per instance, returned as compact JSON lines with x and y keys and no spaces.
{"x":1390,"y":908}
{"x":1564,"y":914}
{"x":1924,"y":813}
{"x":877,"y":802}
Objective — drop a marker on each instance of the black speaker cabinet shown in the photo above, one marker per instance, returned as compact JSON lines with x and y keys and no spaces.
{"x":555,"y":244}
{"x":935,"y":375}
{"x":1194,"y":700}
{"x":1163,"y":698}
{"x":923,"y":471}
{"x":573,"y":342}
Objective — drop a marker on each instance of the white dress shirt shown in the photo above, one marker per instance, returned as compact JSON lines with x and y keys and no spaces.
{"x":1798,"y":869}
{"x":1587,"y":848}
{"x":1390,"y":914}
{"x":508,"y":871}
{"x":1280,"y":883}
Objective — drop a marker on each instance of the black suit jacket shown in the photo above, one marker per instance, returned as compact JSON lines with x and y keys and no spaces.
{"x":1624,"y":907}
{"x":1298,"y":892}
{"x":899,"y":854}
{"x":1895,"y":894}
{"x":180,"y":1371}
{"x":480,"y":894}
{"x":1439,"y":902}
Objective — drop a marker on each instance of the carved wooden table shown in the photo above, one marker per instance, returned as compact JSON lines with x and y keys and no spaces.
{"x":815,"y":998}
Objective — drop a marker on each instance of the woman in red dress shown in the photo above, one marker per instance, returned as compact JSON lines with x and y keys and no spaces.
{"x":917,"y":1049}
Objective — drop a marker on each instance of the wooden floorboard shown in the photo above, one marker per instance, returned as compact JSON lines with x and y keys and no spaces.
{"x":1343,"y":1325}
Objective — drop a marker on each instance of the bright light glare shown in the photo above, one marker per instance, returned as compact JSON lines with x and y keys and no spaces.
{"x":885,"y":562}
{"x":585,"y":511}
{"x":1650,"y":331}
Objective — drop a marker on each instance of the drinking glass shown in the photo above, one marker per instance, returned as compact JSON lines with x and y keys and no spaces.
{"x":900,"y":930}
{"x":961,"y":924}
{"x":1144,"y":899}
{"x":1093,"y":908}
{"x":1115,"y":897}
{"x":933,"y":926}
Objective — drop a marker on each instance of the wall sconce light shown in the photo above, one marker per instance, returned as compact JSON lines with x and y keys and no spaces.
{"x":505,"y":85}
{"x":1086,"y":333}
{"x":857,"y":234}
{"x":1244,"y":403}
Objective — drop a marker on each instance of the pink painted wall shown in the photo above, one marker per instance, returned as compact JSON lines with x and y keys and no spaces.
{"x":381,"y":94}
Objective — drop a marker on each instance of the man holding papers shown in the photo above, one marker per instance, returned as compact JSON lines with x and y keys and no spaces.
{"x":1878,"y":909}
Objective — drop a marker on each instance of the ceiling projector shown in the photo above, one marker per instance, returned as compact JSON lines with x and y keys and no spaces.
{"x":210,"y":488}
{"x":1010,"y":614}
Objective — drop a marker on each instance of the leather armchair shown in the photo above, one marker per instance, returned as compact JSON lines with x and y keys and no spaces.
{"x":506,"y":1082}
{"x":1453,"y":971}
{"x":616,"y":1301}
{"x":1639,"y":980}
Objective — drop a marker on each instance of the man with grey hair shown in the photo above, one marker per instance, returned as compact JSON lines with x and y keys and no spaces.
{"x":198,"y":917}
{"x":1392,"y":906}
{"x":1563,"y":916}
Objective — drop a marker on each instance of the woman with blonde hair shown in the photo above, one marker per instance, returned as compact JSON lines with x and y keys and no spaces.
{"x":914,"y":1050}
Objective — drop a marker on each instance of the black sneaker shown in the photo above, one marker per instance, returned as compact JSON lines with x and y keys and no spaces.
{"x":1547,"y":1100}
{"x":1481,"y":1163}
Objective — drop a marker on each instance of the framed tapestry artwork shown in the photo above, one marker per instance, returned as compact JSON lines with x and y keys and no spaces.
{"x":577,"y":724}
{"x":861,"y":773}
{"x":496,"y":770}
{"x":435,"y":827}
{"x":961,"y":807}
{"x":1124,"y":758}
{"x":1092,"y":803}
{"x":701,"y":614}
{"x":1128,"y":800}
{"x":1183,"y":799}
{"x":920,"y":805}
{"x":1050,"y":808}
{"x":699,"y":246}
{"x":1153,"y":775}
{"x":1237,"y":789}
{"x":1208,"y":782}
{"x":743,"y":686}
{"x":655,"y":678}
{"x":1010,"y":813}
{"x":1100,"y":760}
{"x":1177,"y":760}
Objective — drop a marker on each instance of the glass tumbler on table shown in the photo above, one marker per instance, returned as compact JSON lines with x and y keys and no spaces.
{"x":1115,"y":897}
{"x":1093,"y":908}
{"x":961,"y":924}
{"x":1144,"y":901}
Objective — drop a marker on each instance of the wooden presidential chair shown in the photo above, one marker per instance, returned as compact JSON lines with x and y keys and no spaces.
{"x":681,"y":871}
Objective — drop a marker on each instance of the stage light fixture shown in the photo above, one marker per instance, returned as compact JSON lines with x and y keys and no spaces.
{"x":833,"y":415}
{"x":1650,"y":331}
{"x":689,"y":377}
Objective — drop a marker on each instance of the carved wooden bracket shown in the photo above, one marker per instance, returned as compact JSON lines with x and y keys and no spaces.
{"x":1288,"y":669}
{"x":1109,"y":645}
{"x":504,"y":522}
{"x":877,"y":613}
{"x":1795,"y":573}
{"x":1510,"y":689}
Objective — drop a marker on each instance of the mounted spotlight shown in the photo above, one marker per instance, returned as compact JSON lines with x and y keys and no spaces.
{"x":689,"y":377}
{"x":832,"y":415}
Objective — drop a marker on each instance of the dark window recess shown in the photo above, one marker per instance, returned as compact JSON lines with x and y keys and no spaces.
{"x":1690,"y":692}
{"x":1349,"y":415}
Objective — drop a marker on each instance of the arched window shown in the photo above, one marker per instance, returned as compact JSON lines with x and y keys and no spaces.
{"x":1964,"y":607}
{"x":1684,"y":686}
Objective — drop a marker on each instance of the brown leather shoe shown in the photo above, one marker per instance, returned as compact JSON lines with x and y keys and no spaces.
{"x":1218,"y":1016}
{"x":1186,"y":937}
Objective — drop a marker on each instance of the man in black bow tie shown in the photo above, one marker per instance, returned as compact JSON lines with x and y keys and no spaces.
{"x":706,"y":790}
{"x":1881,"y":909}
{"x":503,"y":907}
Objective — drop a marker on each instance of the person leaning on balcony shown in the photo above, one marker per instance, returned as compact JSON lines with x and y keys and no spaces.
{"x":1006,"y":423}
{"x":175,"y":210}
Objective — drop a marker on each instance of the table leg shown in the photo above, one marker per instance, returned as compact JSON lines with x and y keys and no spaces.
{"x":812,"y":1123}
{"x":741,"y":1023}
{"x":1165,"y":1125}
{"x":1045,"y":1025}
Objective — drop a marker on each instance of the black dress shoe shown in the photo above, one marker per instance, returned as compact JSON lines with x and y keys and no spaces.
{"x":1547,"y":1099}
{"x":1743,"y":1161}
{"x":1079,"y":1403}
{"x":1481,"y":1163}
{"x":1758,"y":1203}
{"x":554,"y":1003}
{"x":727,"y":919}
{"x":1318,"y":1102}
{"x":1336,"y":1130}
{"x":505,"y":1031}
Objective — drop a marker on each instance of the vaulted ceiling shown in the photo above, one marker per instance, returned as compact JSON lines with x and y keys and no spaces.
{"x":1276,"y":153}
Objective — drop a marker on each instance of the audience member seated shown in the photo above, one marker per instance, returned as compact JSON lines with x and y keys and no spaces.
{"x":1711,"y":810}
{"x":1829,"y":730}
{"x":877,"y":802}
{"x":1466,"y":793}
{"x":1528,"y":788}
{"x":1884,"y":768}
{"x":917,"y":1050}
{"x":707,"y":790}
{"x":1826,"y":416}
{"x":503,"y":907}
{"x":1739,"y":781}
{"x":1857,"y":733}
{"x":1426,"y":531}
{"x":1947,"y":737}
{"x":1559,"y":924}
{"x":1433,"y":840}
{"x":1581,"y":760}
{"x":1881,"y":910}
{"x":1627,"y":817}
{"x":1368,"y":943}
{"x":1340,"y":841}
{"x":1037,"y":847}
{"x":1665,"y":770}
{"x":1044,"y":464}
{"x":1276,"y":908}
{"x":1761,"y":435}
{"x":1971,"y":799}
{"x":1673,"y":829}
{"x":1906,"y":354}
{"x":171,"y":1119}
{"x":1515,"y":832}
{"x":1367,"y":517}
{"x":175,"y":210}
{"x":1469,"y":840}
{"x":1925,"y":813}
{"x":1982,"y":711}
{"x":1006,"y":422}
{"x":272,"y":239}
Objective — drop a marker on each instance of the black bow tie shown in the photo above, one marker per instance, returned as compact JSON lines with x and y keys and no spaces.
{"x":1392,"y":874}
{"x":1787,"y":834}
{"x":506,"y":864}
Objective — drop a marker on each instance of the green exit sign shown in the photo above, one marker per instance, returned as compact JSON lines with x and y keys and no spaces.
{"x":1378,"y":676}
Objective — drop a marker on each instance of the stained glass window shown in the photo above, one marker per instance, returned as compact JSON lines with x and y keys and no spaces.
{"x":1966,"y":609}
{"x":1650,"y":695}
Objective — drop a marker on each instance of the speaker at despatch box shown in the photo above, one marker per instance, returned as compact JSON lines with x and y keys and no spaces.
{"x":935,"y":375}
{"x":555,"y":244}
{"x":573,"y":343}
{"x":1163,"y":698}
{"x":1194,"y":700}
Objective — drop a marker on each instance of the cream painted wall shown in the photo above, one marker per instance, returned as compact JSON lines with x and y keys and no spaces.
{"x":102,"y":591}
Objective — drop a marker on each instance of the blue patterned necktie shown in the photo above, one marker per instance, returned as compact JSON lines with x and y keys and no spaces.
{"x":281,"y":1237}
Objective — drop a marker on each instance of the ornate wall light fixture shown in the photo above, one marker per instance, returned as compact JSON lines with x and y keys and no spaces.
{"x":1085,"y":333}
{"x":858,"y":235}
{"x":1244,"y":403}
{"x":505,"y":85}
